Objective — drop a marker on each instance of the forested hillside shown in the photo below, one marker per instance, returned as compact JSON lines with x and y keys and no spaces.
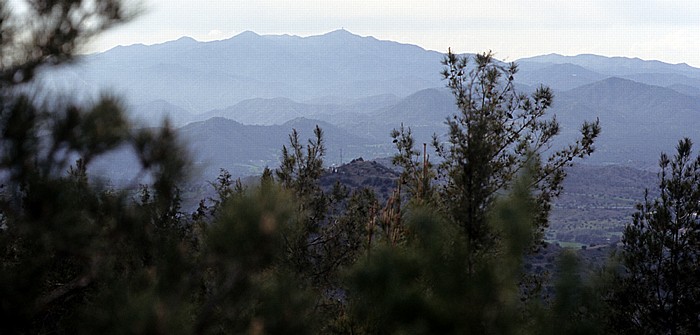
{"x":450,"y":240}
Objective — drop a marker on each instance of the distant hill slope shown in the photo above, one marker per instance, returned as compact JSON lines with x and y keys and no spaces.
{"x":274,"y":111}
{"x":639,"y":121}
{"x":360,"y":173}
{"x":246,"y":149}
{"x":423,"y":107}
{"x":154,"y":113}
{"x":561,"y":77}
{"x":424,"y":112}
{"x":685,"y":89}
{"x":597,"y":202}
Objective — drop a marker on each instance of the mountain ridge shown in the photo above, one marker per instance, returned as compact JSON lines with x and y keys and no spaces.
{"x":203,"y":76}
{"x":616,"y":63}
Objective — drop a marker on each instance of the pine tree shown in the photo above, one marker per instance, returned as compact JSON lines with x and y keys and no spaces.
{"x":659,"y":289}
{"x":424,"y":286}
{"x":496,"y":133}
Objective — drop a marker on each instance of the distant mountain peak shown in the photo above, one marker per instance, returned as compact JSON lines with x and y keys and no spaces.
{"x":182,"y":41}
{"x":340,"y":32}
{"x":615,"y":79}
{"x":304,"y":121}
{"x":246,"y":35}
{"x":186,"y":39}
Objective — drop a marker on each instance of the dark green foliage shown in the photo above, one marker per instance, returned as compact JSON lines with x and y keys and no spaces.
{"x":659,"y":288}
{"x":300,"y":171}
{"x":496,"y":133}
{"x":577,"y":307}
{"x":78,"y":258}
{"x":417,"y":175}
{"x":497,"y":136}
{"x":246,"y":286}
{"x":225,"y":188}
{"x":425,"y":286}
{"x":330,"y":232}
{"x":70,"y":252}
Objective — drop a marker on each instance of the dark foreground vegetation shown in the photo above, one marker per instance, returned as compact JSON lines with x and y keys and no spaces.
{"x":443,"y":254}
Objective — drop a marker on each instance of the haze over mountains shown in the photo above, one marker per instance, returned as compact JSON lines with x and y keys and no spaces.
{"x":235,"y":100}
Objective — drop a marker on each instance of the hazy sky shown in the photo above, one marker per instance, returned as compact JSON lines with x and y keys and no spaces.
{"x":667,"y":30}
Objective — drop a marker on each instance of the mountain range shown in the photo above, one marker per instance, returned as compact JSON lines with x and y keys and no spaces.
{"x":235,"y":101}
